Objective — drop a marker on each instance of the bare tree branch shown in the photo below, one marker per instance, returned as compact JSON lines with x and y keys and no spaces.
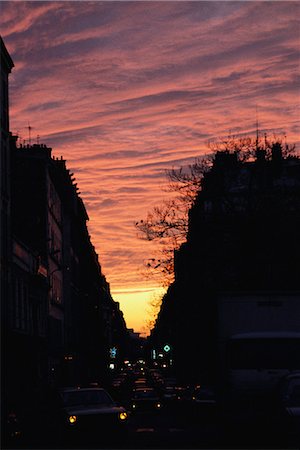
{"x":168,"y":224}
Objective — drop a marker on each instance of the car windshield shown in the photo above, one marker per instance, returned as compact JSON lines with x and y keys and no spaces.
{"x":86,"y":397}
{"x":204,"y":394}
{"x":293,"y":394}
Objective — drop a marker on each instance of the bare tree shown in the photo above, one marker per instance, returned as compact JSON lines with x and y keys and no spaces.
{"x":153,"y":309}
{"x":168,"y":224}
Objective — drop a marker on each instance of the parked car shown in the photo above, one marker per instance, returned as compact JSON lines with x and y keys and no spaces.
{"x":11,"y":429}
{"x":145,"y":399}
{"x":92,"y":411}
{"x":289,"y":407}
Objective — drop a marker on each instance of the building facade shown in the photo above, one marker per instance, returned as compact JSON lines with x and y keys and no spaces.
{"x":57,"y":314}
{"x":243,"y":240}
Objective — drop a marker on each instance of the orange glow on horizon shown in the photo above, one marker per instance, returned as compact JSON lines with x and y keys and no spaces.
{"x":136,"y":307}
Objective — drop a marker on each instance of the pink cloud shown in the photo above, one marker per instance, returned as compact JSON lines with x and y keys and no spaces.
{"x":125,"y":90}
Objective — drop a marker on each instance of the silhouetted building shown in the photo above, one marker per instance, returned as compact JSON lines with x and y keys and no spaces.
{"x":6,"y":65}
{"x":136,"y":349}
{"x":55,"y":299}
{"x":116,"y":334}
{"x":243,"y":238}
{"x":49,"y":217}
{"x":5,"y":248}
{"x":25,"y":346}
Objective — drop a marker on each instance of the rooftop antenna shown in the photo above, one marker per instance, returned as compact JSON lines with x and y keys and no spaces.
{"x":256,"y":128}
{"x":38,"y":139}
{"x":29,"y":133}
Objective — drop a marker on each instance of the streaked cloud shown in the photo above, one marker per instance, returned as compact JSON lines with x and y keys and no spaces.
{"x":125,"y":90}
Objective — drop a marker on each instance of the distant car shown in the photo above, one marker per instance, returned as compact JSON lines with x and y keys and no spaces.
{"x":170,"y":393}
{"x":145,"y":399}
{"x":204,"y":401}
{"x":170,"y":381}
{"x":92,"y":411}
{"x":174,"y":393}
{"x":11,"y":429}
{"x":156,"y":379}
{"x":140,"y":383}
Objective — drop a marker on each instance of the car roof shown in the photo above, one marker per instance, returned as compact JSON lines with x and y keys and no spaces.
{"x":292,"y":375}
{"x":267,"y":335}
{"x":147,"y":391}
{"x":80,"y":389}
{"x":144,"y":389}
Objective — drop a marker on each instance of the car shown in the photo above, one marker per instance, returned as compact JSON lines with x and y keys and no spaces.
{"x":174,"y":393}
{"x":170,"y":393}
{"x":156,"y":379}
{"x":92,"y":411}
{"x":140,"y":383}
{"x":11,"y":428}
{"x":145,"y":399}
{"x":289,"y":407}
{"x":204,"y":402}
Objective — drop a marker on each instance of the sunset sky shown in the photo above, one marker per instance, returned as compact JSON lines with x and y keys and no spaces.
{"x":125,"y":90}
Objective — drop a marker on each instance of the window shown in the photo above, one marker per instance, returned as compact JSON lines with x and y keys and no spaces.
{"x":22,"y":308}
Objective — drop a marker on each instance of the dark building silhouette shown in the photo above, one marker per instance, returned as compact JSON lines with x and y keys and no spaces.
{"x":5,"y":250}
{"x":58,"y":318}
{"x":136,"y":348}
{"x":6,"y":65}
{"x":243,"y":240}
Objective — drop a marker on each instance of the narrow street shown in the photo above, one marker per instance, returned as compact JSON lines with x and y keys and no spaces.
{"x":158,"y":421}
{"x":171,"y":429}
{"x":166,"y":429}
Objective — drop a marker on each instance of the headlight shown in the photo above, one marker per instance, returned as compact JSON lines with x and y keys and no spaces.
{"x":134,"y":405}
{"x":123,"y":416}
{"x":72,"y":419}
{"x":158,"y":405}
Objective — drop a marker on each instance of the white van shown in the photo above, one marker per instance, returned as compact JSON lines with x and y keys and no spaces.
{"x":257,"y":361}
